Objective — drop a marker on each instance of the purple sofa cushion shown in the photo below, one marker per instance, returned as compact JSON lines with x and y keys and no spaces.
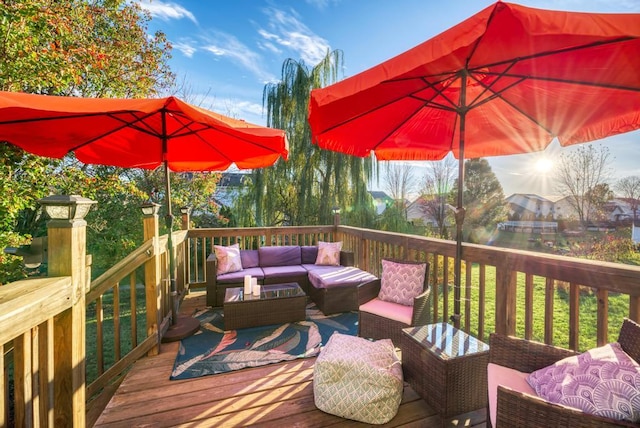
{"x":283,"y":271}
{"x":238,"y":277}
{"x":339,"y":277}
{"x":249,"y":258}
{"x":309,"y":254}
{"x":285,"y":255}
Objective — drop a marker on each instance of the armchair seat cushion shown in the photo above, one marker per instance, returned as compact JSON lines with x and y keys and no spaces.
{"x":504,"y":376}
{"x":394,"y":311}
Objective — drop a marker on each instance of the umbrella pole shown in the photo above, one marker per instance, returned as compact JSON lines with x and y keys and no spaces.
{"x":459,"y":213}
{"x":184,"y":326}
{"x":172,"y":266}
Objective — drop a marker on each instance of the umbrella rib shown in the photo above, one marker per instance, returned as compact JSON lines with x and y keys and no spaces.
{"x":111,"y":131}
{"x":570,"y":81}
{"x":564,"y":50}
{"x":41,"y":119}
{"x":395,"y":128}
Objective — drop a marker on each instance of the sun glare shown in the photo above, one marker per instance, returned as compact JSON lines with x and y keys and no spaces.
{"x":544,"y":165}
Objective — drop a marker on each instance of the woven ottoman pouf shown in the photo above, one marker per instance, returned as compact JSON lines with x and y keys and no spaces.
{"x":358,"y":379}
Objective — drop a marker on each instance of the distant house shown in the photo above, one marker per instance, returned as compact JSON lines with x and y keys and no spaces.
{"x":416,"y":213}
{"x":229,"y":188}
{"x":380,"y":200}
{"x":619,"y":209}
{"x":531,"y":207}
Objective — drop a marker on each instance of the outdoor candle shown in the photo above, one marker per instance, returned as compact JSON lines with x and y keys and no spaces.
{"x":247,"y":285}
{"x":255,"y":286}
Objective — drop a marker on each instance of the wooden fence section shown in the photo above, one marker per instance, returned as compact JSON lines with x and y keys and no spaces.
{"x":144,"y":275}
{"x":30,"y":311}
{"x":526,"y":289}
{"x":502,"y":290}
{"x":41,"y":320}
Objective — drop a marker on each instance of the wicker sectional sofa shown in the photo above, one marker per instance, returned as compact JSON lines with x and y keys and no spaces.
{"x":333,"y":288}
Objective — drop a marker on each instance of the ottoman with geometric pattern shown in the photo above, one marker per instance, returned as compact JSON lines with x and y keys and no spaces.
{"x":358,"y":379}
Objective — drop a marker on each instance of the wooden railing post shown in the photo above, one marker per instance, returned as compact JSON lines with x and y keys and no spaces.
{"x":67,"y":257}
{"x":186,"y":218}
{"x":505,"y":297}
{"x":152,"y":274}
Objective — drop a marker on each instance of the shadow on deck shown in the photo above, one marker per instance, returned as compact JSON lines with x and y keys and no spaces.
{"x":276,"y":395}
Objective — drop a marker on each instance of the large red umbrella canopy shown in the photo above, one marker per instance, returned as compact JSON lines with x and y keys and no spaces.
{"x":139,"y":133}
{"x":507,"y":80}
{"x":521,"y":76}
{"x":136,"y":133}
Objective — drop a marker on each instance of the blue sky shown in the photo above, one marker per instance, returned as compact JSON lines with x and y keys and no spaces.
{"x":226,"y":51}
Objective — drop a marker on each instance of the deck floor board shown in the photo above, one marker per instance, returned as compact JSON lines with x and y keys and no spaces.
{"x":273,"y":396}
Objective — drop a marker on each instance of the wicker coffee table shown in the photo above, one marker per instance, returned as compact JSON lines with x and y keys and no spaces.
{"x":277,"y":304}
{"x":446,"y":367}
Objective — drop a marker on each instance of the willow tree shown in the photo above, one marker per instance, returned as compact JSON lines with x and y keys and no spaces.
{"x":304,"y":189}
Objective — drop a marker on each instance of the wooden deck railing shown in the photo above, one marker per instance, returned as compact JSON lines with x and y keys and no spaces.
{"x":37,"y":336}
{"x":503,"y":290}
{"x":509,"y":291}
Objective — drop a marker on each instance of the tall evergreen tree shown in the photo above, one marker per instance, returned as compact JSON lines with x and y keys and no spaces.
{"x":304,"y":189}
{"x":483,"y":199}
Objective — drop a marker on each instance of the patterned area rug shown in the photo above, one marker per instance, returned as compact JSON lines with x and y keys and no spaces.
{"x":212,"y":350}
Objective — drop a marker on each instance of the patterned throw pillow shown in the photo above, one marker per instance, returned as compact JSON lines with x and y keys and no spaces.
{"x":603,"y":381}
{"x":329,"y":253}
{"x":401,"y":282}
{"x":228,"y":258}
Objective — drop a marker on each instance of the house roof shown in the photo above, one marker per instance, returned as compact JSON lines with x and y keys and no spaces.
{"x":378,"y":194}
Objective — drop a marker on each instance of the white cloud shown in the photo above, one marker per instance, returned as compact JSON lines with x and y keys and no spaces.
{"x":270,"y":47}
{"x":166,"y":10}
{"x":225,"y":45}
{"x":287,"y":31}
{"x":236,"y":108}
{"x":321,"y":4}
{"x":186,"y":48}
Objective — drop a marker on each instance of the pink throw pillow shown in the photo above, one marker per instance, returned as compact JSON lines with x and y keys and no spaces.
{"x":228,"y":258}
{"x":401,"y":282}
{"x":329,"y":253}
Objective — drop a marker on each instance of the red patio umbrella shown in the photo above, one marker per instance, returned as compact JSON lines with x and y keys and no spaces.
{"x":507,"y":80}
{"x":138,"y":133}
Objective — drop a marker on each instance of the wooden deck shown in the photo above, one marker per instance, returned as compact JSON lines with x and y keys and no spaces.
{"x":277,"y":395}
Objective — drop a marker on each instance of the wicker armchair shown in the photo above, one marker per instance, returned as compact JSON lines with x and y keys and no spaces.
{"x":516,"y":409}
{"x":378,"y":325}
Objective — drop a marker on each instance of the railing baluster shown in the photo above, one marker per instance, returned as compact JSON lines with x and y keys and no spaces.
{"x":528,"y":306}
{"x":117,"y":353}
{"x":574,"y":316}
{"x":22,"y":380}
{"x":445,"y":289}
{"x":549,"y":295}
{"x":4,"y":403}
{"x":133,"y":309}
{"x":481,"y":301}
{"x":603,"y":316}
{"x":99,"y":335}
{"x":467,"y":298}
